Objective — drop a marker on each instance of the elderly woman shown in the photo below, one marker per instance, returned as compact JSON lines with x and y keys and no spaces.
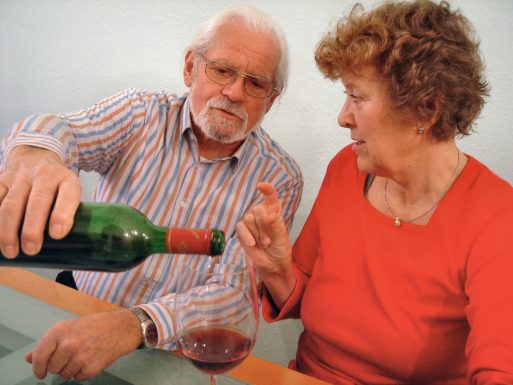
{"x":403,"y":272}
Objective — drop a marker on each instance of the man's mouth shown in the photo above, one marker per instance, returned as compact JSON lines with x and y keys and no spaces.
{"x":227,"y":113}
{"x":227,"y":109}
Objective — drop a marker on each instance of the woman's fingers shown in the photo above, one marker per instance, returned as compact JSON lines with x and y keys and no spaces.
{"x":244,"y":234}
{"x":270,"y":194}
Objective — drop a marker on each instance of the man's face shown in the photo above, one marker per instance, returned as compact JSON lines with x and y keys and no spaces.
{"x":226,"y":113}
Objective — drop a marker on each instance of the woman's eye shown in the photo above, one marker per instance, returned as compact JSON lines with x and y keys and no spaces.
{"x":353,"y":95}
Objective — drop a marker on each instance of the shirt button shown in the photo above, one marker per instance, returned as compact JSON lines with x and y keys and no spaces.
{"x":183,"y":203}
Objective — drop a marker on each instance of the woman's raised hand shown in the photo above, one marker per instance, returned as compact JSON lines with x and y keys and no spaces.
{"x":263,"y":234}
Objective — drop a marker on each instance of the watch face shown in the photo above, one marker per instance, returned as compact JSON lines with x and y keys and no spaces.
{"x":150,"y":334}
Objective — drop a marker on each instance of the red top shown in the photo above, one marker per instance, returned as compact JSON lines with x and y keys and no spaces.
{"x":415,"y":304}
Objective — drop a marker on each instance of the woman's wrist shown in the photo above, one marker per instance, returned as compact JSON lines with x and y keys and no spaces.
{"x":280,"y":285}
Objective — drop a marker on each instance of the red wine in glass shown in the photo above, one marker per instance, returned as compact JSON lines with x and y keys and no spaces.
{"x":215,"y":349}
{"x":216,"y":313}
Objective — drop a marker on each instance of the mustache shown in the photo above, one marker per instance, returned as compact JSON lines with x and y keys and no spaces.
{"x":227,"y":105}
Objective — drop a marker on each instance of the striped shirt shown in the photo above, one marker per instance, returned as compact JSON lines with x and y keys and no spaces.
{"x":143,"y":147}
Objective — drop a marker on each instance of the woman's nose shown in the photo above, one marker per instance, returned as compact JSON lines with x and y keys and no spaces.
{"x":346,"y":117}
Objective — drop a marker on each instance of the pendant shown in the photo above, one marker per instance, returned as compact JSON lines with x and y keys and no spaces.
{"x":397,"y":222}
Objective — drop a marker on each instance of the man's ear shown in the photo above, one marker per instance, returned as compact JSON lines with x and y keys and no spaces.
{"x":188,"y":69}
{"x":270,"y":103}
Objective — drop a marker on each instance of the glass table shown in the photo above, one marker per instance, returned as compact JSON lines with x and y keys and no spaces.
{"x":24,"y":319}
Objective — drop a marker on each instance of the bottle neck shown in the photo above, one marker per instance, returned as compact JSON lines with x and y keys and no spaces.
{"x":189,"y":241}
{"x":158,"y":239}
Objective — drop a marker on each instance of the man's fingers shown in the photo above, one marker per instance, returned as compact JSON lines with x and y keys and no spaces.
{"x":61,"y":358}
{"x":40,"y":356}
{"x":37,"y":211}
{"x":28,"y":187}
{"x":66,"y":373}
{"x":3,"y":191}
{"x":66,"y":203}
{"x":12,"y":210}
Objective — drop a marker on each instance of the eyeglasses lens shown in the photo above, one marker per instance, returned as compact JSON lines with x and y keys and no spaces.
{"x":225,"y":75}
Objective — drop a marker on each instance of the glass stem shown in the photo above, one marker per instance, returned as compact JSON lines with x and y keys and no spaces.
{"x":212,"y":379}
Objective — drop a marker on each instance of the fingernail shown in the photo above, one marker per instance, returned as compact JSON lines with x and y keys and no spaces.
{"x":30,"y":248}
{"x":56,"y":229}
{"x":8,"y":251}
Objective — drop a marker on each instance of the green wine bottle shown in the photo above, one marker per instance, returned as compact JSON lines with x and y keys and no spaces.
{"x":115,"y":237}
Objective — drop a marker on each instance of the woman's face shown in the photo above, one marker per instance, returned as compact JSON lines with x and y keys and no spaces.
{"x":383,"y":144}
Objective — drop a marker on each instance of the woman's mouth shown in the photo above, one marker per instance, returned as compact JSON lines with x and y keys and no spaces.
{"x":357,"y":144}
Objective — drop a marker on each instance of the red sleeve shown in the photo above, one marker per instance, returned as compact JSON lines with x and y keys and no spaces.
{"x":291,"y":307}
{"x":489,"y":287}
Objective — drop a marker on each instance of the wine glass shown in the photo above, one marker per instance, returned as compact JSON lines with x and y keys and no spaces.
{"x":216,"y":313}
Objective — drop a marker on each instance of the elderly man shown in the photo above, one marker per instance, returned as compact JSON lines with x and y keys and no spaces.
{"x":191,"y":161}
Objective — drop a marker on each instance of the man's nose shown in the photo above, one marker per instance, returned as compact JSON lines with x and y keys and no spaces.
{"x":235,"y":91}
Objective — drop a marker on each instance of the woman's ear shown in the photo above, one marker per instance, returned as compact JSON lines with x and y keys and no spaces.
{"x":429,"y":122}
{"x":437,"y":113}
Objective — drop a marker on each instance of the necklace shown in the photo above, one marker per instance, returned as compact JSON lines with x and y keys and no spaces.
{"x":397,"y":220}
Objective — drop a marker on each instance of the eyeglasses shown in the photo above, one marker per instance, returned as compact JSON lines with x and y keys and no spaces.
{"x":225,"y":75}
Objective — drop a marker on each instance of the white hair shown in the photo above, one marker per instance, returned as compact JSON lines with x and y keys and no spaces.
{"x":253,"y":19}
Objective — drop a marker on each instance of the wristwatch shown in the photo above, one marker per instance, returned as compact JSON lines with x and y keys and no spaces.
{"x":149,"y":333}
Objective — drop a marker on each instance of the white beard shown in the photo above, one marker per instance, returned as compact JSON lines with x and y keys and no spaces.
{"x":220,"y":129}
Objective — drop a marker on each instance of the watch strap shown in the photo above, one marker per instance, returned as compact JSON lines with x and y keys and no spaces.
{"x":148,"y":328}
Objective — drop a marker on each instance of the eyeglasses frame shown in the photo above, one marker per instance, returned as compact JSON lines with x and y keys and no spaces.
{"x":238,"y":73}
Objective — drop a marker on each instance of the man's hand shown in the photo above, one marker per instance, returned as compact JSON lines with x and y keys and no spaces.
{"x":33,"y":181}
{"x":82,"y":348}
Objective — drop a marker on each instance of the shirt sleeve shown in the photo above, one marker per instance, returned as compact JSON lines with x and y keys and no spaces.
{"x":90,"y":139}
{"x":489,"y":287}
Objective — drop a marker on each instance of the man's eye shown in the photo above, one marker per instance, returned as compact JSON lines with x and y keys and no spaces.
{"x":223,"y":71}
{"x":257,"y":83}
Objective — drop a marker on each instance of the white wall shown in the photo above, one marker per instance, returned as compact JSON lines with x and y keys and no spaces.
{"x":62,"y":55}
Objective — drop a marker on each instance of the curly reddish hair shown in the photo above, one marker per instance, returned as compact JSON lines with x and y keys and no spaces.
{"x":427,"y":54}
